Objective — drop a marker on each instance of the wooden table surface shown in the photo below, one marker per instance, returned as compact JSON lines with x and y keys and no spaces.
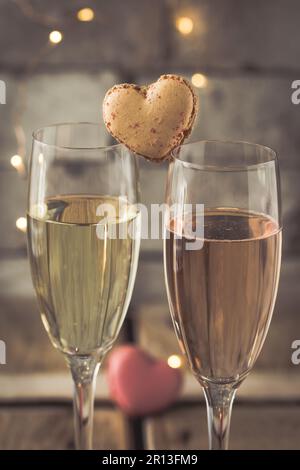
{"x":36,"y":389}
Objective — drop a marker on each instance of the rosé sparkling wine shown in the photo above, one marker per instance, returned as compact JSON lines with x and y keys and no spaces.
{"x":222,"y":295}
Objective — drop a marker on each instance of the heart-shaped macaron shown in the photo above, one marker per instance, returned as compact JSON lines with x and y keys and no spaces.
{"x":140,"y":384}
{"x":151,"y":120}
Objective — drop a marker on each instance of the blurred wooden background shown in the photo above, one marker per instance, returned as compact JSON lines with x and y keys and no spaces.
{"x":248,"y":53}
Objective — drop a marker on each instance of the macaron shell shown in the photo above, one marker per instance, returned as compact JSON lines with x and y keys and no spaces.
{"x":152,"y":120}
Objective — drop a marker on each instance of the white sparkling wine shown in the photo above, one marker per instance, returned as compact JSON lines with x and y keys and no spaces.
{"x":83,"y":268}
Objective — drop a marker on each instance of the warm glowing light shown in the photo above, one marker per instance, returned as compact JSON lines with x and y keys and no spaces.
{"x":199,"y":80}
{"x":185,"y":25}
{"x":21,"y":224}
{"x":41,"y":158}
{"x":85,"y":14}
{"x":55,"y":37}
{"x":174,"y":361}
{"x":16,"y":161}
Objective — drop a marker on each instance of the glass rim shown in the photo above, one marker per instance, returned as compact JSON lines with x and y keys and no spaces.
{"x":66,"y":147}
{"x":239,"y":167}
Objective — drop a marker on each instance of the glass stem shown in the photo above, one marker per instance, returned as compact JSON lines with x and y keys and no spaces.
{"x":219,"y":400}
{"x":84,"y":372}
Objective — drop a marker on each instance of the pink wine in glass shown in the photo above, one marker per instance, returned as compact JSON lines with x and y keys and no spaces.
{"x":222,"y":295}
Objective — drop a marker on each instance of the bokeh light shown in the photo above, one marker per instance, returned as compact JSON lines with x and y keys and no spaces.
{"x":85,"y":14}
{"x":174,"y":361}
{"x":185,"y":25}
{"x":21,"y":224}
{"x":199,"y":80}
{"x":55,"y":37}
{"x":16,"y":161}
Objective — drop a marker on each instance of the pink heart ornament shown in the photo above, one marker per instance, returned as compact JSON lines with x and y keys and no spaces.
{"x":139,"y":383}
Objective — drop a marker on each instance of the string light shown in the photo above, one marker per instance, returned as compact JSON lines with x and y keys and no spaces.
{"x":174,"y":361}
{"x":55,"y":37}
{"x":17,"y":162}
{"x":21,"y":224}
{"x":184,"y":25}
{"x":85,"y":14}
{"x":199,"y":80}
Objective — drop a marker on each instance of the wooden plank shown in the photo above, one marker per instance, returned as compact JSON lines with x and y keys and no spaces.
{"x":253,"y":427}
{"x":183,"y":427}
{"x":57,"y":387}
{"x":48,"y":427}
{"x":258,"y":386}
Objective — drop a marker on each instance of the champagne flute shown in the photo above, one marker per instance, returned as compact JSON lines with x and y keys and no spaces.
{"x":222,"y":255}
{"x":83,"y":243}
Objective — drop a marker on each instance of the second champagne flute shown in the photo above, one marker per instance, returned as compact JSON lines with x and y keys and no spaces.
{"x":83,"y":242}
{"x":222,"y":259}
